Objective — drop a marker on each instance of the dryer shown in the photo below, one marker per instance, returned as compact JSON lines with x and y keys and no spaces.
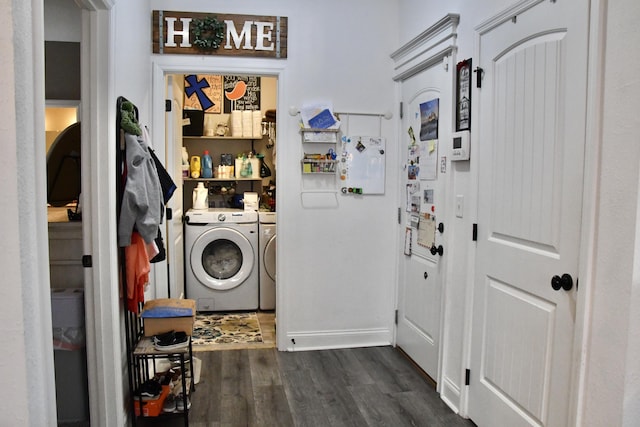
{"x":267,"y":228}
{"x":221,"y":259}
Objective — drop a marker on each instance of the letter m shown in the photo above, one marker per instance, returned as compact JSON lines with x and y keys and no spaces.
{"x":237,"y":39}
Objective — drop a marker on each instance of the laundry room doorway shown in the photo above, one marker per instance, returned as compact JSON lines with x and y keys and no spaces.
{"x":201,"y":101}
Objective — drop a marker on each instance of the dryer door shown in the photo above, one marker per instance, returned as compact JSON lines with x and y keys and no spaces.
{"x":269,"y":257}
{"x":222,"y":258}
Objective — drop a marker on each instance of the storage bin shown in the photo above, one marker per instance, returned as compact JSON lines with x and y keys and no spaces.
{"x":70,"y":357}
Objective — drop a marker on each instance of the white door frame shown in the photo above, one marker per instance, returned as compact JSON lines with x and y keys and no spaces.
{"x":186,"y":64}
{"x":102,"y":297}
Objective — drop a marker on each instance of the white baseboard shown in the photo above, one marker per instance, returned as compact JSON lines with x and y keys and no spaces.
{"x":324,"y":340}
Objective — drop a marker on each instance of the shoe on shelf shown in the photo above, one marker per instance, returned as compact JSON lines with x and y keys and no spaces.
{"x":165,"y":337}
{"x":179,"y":340}
{"x":169,"y":403}
{"x":180,"y":403}
{"x":174,"y":346}
{"x":150,"y":388}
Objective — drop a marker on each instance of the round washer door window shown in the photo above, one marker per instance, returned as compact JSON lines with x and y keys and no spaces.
{"x":222,"y":258}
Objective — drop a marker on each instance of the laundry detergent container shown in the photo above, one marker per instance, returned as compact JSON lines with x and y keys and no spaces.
{"x":70,"y":356}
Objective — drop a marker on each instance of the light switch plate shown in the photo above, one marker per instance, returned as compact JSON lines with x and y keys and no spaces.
{"x":459,"y":205}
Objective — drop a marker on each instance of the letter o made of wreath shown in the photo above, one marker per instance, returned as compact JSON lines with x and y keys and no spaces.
{"x":208,"y":33}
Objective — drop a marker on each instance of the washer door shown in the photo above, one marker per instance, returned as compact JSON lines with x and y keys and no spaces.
{"x":269,"y":258}
{"x":222,"y":258}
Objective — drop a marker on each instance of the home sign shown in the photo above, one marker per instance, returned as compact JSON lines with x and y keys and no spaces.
{"x":197,"y":33}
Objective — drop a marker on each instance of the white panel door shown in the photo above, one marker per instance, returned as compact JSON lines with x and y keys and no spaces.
{"x":175,"y":231}
{"x":422,"y":277}
{"x":531,"y":122}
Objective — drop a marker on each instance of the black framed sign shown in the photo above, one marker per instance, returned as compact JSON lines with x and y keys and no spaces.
{"x":463,"y":95}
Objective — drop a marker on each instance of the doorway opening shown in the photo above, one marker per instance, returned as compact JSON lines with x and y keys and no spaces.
{"x":229,"y":119}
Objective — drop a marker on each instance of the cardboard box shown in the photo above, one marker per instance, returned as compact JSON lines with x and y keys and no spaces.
{"x":155,"y":326}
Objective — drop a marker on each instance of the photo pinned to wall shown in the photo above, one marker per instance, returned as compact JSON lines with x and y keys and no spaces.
{"x":428,"y":196}
{"x":427,"y":230}
{"x":413,"y":197}
{"x":407,"y":241}
{"x":429,"y":114}
{"x":241,"y":93}
{"x":203,"y":92}
{"x":429,"y":159}
{"x":463,"y":95}
{"x":413,"y":158}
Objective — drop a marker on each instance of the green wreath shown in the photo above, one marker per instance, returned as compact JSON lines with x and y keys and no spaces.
{"x":208,"y":33}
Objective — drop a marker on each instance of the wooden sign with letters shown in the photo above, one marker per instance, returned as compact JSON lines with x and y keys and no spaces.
{"x":197,"y":33}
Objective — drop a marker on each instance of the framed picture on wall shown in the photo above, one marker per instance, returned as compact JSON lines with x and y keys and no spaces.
{"x":463,"y":95}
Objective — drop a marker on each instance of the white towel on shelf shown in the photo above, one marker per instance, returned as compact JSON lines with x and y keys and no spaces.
{"x":236,"y":123}
{"x":247,"y":124}
{"x":257,"y":124}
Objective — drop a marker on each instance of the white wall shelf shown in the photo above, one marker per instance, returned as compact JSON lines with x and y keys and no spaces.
{"x":222,"y":138}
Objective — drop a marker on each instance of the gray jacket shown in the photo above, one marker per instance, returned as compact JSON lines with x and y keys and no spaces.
{"x":142,"y":198}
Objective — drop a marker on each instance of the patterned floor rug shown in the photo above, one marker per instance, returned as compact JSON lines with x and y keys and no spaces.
{"x":225,"y":328}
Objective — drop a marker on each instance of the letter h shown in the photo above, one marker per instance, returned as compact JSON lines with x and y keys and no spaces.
{"x":171,"y":32}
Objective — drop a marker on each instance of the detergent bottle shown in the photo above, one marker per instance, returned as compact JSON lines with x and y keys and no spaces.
{"x":185,"y":163}
{"x":200,"y":197}
{"x":195,"y":166}
{"x":207,"y":165}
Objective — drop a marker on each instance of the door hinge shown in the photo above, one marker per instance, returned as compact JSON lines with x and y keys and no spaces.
{"x":399,"y":215}
{"x":401,"y":105}
{"x":467,"y":376}
{"x":474,"y":233}
{"x":396,"y":318}
{"x":169,"y":214}
{"x":167,"y":105}
{"x":479,"y":75}
{"x":87,"y":261}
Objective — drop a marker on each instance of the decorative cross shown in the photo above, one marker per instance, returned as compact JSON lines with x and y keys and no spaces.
{"x":196,"y":86}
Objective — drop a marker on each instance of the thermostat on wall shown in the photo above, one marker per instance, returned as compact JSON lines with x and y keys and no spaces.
{"x":460,"y":146}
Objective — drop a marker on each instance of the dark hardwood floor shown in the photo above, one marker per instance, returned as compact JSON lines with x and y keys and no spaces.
{"x":374,"y":386}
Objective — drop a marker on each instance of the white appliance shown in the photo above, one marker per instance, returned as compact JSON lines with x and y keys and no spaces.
{"x":267,"y":229}
{"x":221,"y":259}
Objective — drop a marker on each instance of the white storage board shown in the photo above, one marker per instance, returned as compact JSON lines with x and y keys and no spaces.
{"x":362,"y":164}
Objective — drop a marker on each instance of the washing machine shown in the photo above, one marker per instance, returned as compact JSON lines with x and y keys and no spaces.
{"x":267,"y":228}
{"x":221,"y":259}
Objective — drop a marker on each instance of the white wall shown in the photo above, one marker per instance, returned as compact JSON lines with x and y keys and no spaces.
{"x":14,"y":402}
{"x":26,"y":316}
{"x":612,"y":383}
{"x":63,"y":19}
{"x":335,"y":265}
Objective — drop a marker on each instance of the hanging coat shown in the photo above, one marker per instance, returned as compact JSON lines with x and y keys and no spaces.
{"x":142,"y":201}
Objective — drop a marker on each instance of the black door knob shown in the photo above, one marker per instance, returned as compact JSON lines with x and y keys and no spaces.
{"x":441,"y":228}
{"x":565,"y":282}
{"x":437,"y":250}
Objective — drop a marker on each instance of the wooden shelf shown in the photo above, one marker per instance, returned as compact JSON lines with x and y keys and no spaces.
{"x":322,"y":136}
{"x":221,"y":179}
{"x":222,"y":138}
